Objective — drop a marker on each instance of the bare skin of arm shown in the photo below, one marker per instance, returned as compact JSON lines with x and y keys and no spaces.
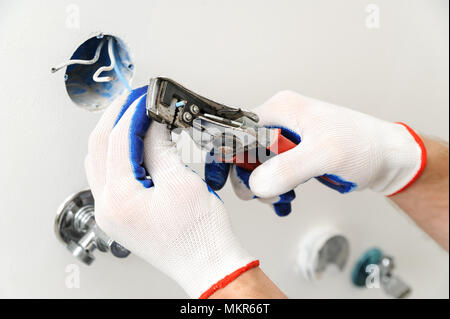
{"x":253,"y":284}
{"x":426,"y":201}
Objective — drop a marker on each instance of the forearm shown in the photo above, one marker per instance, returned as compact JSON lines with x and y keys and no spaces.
{"x":253,"y":284}
{"x":427,"y":200}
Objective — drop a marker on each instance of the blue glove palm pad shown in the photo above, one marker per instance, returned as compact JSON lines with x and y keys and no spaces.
{"x":139,"y":126}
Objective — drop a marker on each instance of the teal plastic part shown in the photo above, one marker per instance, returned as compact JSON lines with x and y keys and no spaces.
{"x":370,"y":257}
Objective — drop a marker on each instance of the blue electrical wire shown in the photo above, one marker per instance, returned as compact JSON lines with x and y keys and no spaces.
{"x":119,"y":74}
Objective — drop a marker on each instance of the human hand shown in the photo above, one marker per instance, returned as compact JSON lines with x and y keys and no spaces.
{"x":150,"y":202}
{"x":346,"y":150}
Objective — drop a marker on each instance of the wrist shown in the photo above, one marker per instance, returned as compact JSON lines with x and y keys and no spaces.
{"x":404,"y":159}
{"x":213,"y":266}
{"x":208,"y":256}
{"x":230,"y":280}
{"x":426,"y":201}
{"x":251,"y":284}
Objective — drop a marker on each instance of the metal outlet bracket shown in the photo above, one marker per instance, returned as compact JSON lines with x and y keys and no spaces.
{"x":375,"y":266}
{"x":76,"y":228}
{"x":320,"y":248}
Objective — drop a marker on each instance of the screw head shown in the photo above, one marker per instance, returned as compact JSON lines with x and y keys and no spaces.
{"x":187,"y":116}
{"x":195,"y":109}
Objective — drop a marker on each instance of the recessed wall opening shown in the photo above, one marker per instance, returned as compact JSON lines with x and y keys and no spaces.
{"x":99,"y":70}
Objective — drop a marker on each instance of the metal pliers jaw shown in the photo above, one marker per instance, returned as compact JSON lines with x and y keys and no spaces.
{"x":213,"y":126}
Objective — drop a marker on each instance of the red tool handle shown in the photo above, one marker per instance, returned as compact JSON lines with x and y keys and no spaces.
{"x":280,"y":144}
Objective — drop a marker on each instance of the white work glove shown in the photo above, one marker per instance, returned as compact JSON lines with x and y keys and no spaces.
{"x":346,"y":150}
{"x":172,"y":219}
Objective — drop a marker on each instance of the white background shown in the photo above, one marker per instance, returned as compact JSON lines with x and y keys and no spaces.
{"x":238,"y":53}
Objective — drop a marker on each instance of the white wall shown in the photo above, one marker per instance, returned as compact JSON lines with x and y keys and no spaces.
{"x":238,"y":53}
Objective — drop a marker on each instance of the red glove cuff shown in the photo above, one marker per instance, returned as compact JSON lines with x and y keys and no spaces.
{"x":227,"y":279}
{"x":423,"y":159}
